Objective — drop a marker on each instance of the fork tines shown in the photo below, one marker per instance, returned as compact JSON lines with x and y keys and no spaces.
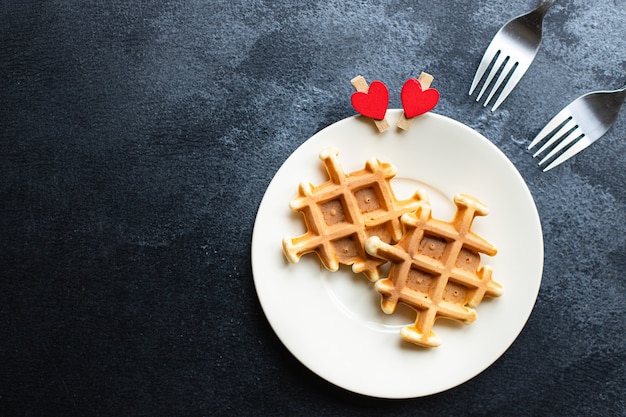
{"x":510,"y":72}
{"x":562,"y":134}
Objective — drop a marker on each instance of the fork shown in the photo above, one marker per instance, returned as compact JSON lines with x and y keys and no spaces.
{"x":584,"y":120}
{"x":513,"y":48}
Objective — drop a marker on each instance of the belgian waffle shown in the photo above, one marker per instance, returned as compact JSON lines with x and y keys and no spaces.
{"x":342,"y":213}
{"x":435,"y":268}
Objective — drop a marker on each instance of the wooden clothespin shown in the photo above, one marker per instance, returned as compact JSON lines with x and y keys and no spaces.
{"x":372,"y":104}
{"x":425,"y":81}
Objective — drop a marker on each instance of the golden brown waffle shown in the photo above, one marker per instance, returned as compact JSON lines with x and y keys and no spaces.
{"x":342,"y":213}
{"x":435,"y":269}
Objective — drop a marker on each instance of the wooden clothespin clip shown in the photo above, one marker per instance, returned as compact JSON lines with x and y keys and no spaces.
{"x":371,"y":101}
{"x":417,"y":98}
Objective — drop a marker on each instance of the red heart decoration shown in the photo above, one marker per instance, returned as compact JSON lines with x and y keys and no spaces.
{"x":374,"y":103}
{"x":415,"y":101}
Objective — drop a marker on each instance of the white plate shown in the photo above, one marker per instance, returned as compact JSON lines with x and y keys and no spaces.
{"x":333,"y":323}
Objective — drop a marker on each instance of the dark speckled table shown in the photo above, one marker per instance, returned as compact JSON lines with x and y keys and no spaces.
{"x":137,"y":140}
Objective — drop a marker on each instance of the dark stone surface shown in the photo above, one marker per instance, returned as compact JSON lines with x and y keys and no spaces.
{"x":137,"y":139}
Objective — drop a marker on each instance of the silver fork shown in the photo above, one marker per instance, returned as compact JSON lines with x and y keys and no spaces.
{"x":584,"y":120}
{"x":513,"y":48}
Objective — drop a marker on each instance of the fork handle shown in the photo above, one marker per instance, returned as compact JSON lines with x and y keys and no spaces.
{"x":544,"y":5}
{"x":618,"y":95}
{"x":621,"y":93}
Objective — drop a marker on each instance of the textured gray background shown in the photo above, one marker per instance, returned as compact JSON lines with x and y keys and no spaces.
{"x":137,"y":139}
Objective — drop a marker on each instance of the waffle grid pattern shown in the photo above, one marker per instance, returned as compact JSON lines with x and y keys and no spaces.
{"x":435,"y":269}
{"x":342,"y":213}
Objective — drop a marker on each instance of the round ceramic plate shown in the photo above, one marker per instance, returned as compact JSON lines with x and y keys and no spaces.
{"x":332,"y":321}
